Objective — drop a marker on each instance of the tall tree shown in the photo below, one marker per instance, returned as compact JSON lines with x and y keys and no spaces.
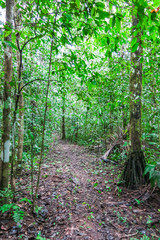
{"x":4,"y":162}
{"x":135,"y":165}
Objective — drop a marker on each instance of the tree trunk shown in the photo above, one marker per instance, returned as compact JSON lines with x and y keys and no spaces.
{"x":18,"y":17}
{"x":20,"y":132}
{"x":134,"y":168}
{"x":63,"y":118}
{"x":43,"y":130}
{"x":4,"y":162}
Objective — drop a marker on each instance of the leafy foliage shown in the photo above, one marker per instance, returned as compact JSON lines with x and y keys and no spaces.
{"x":154,"y":173}
{"x":89,"y":76}
{"x":16,"y":212}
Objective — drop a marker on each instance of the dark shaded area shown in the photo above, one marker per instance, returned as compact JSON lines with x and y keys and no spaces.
{"x":133,"y":171}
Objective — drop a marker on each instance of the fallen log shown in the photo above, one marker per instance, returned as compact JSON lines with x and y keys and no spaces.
{"x":121,"y":139}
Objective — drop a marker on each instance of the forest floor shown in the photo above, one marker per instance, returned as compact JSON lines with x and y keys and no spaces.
{"x":79,"y":199}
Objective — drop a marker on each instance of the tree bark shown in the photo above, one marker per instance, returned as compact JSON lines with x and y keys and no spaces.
{"x":135,"y":165}
{"x":20,"y":132}
{"x":4,"y":162}
{"x":63,"y":117}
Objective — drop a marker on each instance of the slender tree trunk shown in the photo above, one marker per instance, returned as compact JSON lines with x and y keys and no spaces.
{"x":76,"y":129}
{"x":32,"y":146}
{"x":21,"y":114}
{"x":4,"y":162}
{"x":63,"y":118}
{"x":135,"y":165}
{"x":43,"y":131}
{"x":111,"y":121}
{"x":21,"y":101}
{"x":18,"y":104}
{"x":124,"y":118}
{"x":20,"y":132}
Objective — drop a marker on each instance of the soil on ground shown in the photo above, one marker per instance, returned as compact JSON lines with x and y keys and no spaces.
{"x":80,"y":198}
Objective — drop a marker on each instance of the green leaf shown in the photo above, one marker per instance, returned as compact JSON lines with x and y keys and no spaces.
{"x":78,"y":3}
{"x":159,"y":30}
{"x":134,"y":48}
{"x":107,"y":27}
{"x":110,"y":5}
{"x":118,"y":24}
{"x":108,"y":40}
{"x":69,"y":17}
{"x":26,"y":200}
{"x":113,"y":21}
{"x":103,"y":14}
{"x":158,"y":180}
{"x":141,"y":60}
{"x":95,"y":33}
{"x":156,"y":3}
{"x":11,"y":44}
{"x":133,"y":42}
{"x":93,"y":12}
{"x":100,"y":5}
{"x":149,"y":169}
{"x":96,"y":184}
{"x":2,"y":4}
{"x":7,"y":33}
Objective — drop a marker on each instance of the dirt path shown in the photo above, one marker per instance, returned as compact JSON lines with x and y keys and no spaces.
{"x":74,"y":192}
{"x":79,"y":199}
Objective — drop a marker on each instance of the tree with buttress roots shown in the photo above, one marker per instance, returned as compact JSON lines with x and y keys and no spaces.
{"x":133,"y":174}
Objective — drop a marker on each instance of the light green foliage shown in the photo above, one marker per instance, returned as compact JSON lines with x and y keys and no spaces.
{"x":26,"y":200}
{"x":84,"y":203}
{"x":16,"y":212}
{"x":137,"y":201}
{"x":90,"y":216}
{"x":40,"y":238}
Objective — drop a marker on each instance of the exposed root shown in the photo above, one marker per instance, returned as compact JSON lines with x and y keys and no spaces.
{"x":133,"y":172}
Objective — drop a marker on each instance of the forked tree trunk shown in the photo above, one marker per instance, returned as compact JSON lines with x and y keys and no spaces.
{"x":21,"y":101}
{"x":134,"y":168}
{"x":4,"y":162}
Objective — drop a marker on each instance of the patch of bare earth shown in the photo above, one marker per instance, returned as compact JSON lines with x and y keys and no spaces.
{"x":79,"y":199}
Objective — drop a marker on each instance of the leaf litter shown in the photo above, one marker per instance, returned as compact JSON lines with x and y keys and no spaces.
{"x":79,"y":198}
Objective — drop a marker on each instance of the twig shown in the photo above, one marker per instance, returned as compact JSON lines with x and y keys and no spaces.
{"x":129,"y":235}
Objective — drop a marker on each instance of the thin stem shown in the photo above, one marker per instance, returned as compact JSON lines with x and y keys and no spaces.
{"x":43,"y":131}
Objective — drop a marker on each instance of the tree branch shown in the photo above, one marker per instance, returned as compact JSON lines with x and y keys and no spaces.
{"x":32,"y":82}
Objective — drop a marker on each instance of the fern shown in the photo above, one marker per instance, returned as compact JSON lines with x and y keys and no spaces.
{"x":6,"y":207}
{"x":16,"y":212}
{"x":154,"y":173}
{"x":6,"y":193}
{"x":18,"y":215}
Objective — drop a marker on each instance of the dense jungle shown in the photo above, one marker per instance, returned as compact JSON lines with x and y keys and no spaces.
{"x":80,"y":119}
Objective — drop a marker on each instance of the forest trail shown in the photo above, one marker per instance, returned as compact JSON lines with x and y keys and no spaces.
{"x":81,"y":191}
{"x":75,"y":197}
{"x":79,"y":199}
